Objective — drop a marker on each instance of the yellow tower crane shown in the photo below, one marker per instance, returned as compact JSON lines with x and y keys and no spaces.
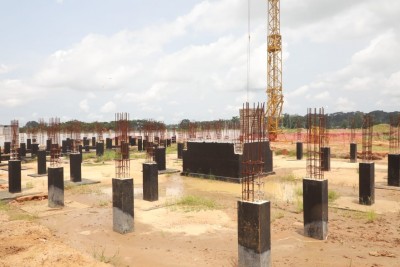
{"x":274,"y":70}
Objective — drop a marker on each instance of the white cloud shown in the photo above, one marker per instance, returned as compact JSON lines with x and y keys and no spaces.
{"x":108,"y":107}
{"x":84,"y":105}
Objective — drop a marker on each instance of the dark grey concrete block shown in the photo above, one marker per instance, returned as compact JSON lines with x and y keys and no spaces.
{"x":315,"y":208}
{"x":254,"y":233}
{"x":353,"y":152}
{"x":394,"y":169}
{"x":122,"y":195}
{"x":299,"y":150}
{"x":55,"y":185}
{"x":14,"y":176}
{"x":150,"y":181}
{"x":366,"y":180}
{"x":75,"y":167}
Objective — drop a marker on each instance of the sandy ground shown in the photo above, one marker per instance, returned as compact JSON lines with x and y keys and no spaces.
{"x":31,"y":234}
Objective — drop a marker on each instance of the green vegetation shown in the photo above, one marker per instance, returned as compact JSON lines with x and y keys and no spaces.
{"x":193,"y":203}
{"x":371,"y":216}
{"x":15,"y":213}
{"x":332,"y":196}
{"x":289,"y":178}
{"x":83,"y":189}
{"x":173,"y":149}
{"x":100,"y":256}
{"x":29,"y":185}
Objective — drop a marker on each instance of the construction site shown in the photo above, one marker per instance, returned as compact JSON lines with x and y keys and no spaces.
{"x":260,"y":189}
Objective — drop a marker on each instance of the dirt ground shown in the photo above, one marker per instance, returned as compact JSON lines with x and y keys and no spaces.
{"x":167,"y":234}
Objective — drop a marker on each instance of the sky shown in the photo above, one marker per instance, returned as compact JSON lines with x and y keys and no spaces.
{"x":187,"y":59}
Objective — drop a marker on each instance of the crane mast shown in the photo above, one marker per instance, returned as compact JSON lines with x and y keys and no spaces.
{"x":274,"y":70}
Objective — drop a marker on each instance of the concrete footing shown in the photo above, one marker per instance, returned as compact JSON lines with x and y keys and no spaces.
{"x":93,"y":141}
{"x":7,"y":147}
{"x":35,"y":149}
{"x":55,"y":185}
{"x":122,"y":195}
{"x":48,"y":145}
{"x":366,"y":183}
{"x":180,"y":150}
{"x":29,"y":144}
{"x":159,"y":156}
{"x":108,"y":143}
{"x":353,"y":152}
{"x":150,"y":181}
{"x":14,"y":176}
{"x":41,"y":162}
{"x":315,"y":208}
{"x":394,"y":169}
{"x":140,"y":144}
{"x":99,"y":149}
{"x":326,"y":158}
{"x":75,"y":167}
{"x":299,"y":150}
{"x":254,"y":234}
{"x":22,"y":150}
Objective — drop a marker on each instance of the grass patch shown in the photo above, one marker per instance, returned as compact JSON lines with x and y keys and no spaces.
{"x":173,"y":149}
{"x":101,"y":256}
{"x":332,"y":196}
{"x":137,"y":155}
{"x":371,"y":216}
{"x":299,"y":205}
{"x":15,"y":214}
{"x":90,"y":155}
{"x":193,"y":203}
{"x":299,"y":191}
{"x":29,"y":185}
{"x":4,"y":206}
{"x":277,"y":216}
{"x":289,"y":178}
{"x":108,"y":155}
{"x":82,"y":189}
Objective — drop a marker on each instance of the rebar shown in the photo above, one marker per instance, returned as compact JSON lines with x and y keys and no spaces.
{"x":14,"y":140}
{"x":394,"y":134}
{"x":367,"y":131}
{"x":353,"y":130}
{"x":299,"y":130}
{"x":253,"y":130}
{"x":53,"y":131}
{"x":315,"y":141}
{"x":122,"y":162}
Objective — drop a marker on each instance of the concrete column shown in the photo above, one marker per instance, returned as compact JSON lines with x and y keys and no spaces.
{"x":150,"y":181}
{"x":326,"y":158}
{"x":299,"y":150}
{"x":159,"y":155}
{"x":99,"y":149}
{"x":22,"y":150}
{"x":41,"y":162}
{"x":254,"y":234}
{"x":29,"y":144}
{"x":315,"y":208}
{"x":140,"y":145}
{"x":93,"y":141}
{"x":180,"y":150}
{"x":35,"y":149}
{"x":394,"y":169}
{"x":122,"y":195}
{"x":353,"y":152}
{"x":116,"y":141}
{"x":108,"y":143}
{"x":366,"y":183}
{"x":7,"y":147}
{"x":14,"y":176}
{"x":55,"y":185}
{"x":48,"y":145}
{"x":75,"y":167}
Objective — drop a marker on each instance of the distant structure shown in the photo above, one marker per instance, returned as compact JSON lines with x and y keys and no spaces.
{"x":274,"y":70}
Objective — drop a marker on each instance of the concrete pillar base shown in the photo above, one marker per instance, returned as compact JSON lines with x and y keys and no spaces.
{"x":315,"y":206}
{"x":159,"y":155}
{"x":254,"y":234}
{"x":353,"y":152}
{"x":14,"y":176}
{"x":150,"y":181}
{"x":55,"y":184}
{"x":299,"y":150}
{"x":122,"y":195}
{"x":366,"y":183}
{"x":394,"y":169}
{"x":41,"y":162}
{"x":75,"y":167}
